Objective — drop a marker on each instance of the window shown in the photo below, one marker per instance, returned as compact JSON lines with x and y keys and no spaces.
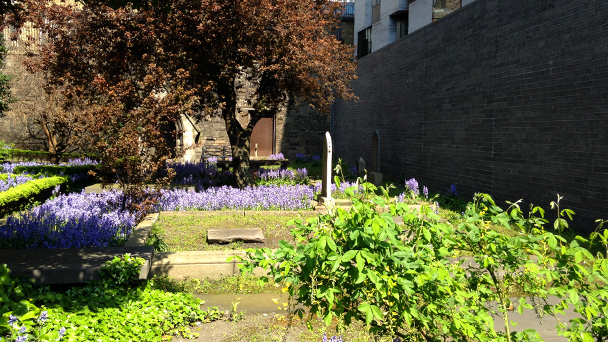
{"x":401,"y":23}
{"x":364,"y":42}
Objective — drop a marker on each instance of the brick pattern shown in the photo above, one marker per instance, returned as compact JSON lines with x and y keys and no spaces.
{"x":504,"y":97}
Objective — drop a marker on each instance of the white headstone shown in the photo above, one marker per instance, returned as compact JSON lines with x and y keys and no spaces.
{"x":361,"y":167}
{"x":325,"y":197}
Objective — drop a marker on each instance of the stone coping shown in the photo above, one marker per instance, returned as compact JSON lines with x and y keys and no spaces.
{"x":97,"y":189}
{"x":70,"y":265}
{"x":238,"y":212}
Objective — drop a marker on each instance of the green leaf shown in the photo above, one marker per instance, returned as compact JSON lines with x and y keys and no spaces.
{"x":331,"y":244}
{"x":360,"y":262}
{"x":361,"y":277}
{"x":336,"y":264}
{"x":377,"y":312}
{"x":427,"y":234}
{"x":349,"y":255}
{"x":573,"y":296}
{"x":328,"y":318}
{"x":321,"y":244}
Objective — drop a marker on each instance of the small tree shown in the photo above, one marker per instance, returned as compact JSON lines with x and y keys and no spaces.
{"x":201,"y":50}
{"x":5,"y":93}
{"x":108,"y":63}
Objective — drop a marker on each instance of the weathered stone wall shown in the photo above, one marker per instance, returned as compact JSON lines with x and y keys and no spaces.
{"x":504,"y":97}
{"x":27,"y":89}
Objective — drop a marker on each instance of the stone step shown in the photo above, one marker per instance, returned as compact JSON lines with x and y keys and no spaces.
{"x":224,"y":236}
{"x":71,"y":265}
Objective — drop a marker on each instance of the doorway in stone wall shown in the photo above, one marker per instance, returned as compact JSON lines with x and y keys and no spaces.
{"x":262,"y":138}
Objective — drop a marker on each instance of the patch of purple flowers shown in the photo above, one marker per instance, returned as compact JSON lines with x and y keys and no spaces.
{"x":300,"y":157}
{"x":332,"y":339}
{"x":315,"y":157}
{"x":278,"y":156}
{"x":82,"y":161}
{"x":13,"y":181}
{"x":72,"y":221}
{"x":271,"y":197}
{"x":202,"y":174}
{"x":277,"y":176}
{"x":425,"y":191}
{"x":9,"y":167}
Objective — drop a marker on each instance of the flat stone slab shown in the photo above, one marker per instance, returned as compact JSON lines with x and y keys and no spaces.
{"x":70,"y":265}
{"x":231,"y":235}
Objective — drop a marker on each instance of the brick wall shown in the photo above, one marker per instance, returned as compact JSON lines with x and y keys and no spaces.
{"x":504,"y":97}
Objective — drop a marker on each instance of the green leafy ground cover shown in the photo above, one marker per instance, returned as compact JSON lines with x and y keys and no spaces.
{"x":189,"y":232}
{"x":117,"y":308}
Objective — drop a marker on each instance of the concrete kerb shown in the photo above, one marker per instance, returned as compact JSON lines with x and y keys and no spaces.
{"x":198,"y":264}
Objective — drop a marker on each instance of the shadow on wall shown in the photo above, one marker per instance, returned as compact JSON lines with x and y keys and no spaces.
{"x":301,"y":130}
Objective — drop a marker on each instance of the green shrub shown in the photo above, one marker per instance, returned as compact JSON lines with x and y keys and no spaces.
{"x":26,"y":193}
{"x":403,"y":280}
{"x":43,"y":155}
{"x":5,"y":149}
{"x":55,"y":169}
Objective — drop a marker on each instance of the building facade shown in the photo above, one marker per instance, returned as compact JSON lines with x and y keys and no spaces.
{"x":378,"y":23}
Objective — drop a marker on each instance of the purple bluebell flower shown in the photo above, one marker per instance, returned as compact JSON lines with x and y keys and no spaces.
{"x":412,"y":185}
{"x":22,"y":330}
{"x":277,"y":156}
{"x":315,"y":157}
{"x":353,"y":170}
{"x":43,"y":317}
{"x":12,"y":320}
{"x":401,"y":197}
{"x":425,"y":191}
{"x":435,"y":207}
{"x":452,"y":190}
{"x":212,"y":160}
{"x":61,"y":332}
{"x":21,"y":338}
{"x":300,"y":157}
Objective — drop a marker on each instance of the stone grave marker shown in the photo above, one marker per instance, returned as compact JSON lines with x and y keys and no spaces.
{"x":236,"y":234}
{"x":361,"y":167}
{"x":374,"y":175}
{"x":324,"y":197}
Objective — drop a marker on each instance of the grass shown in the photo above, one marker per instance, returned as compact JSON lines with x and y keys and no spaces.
{"x":237,"y":284}
{"x":189,"y":232}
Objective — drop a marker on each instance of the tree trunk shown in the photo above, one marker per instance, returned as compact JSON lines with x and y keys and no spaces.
{"x":51,"y":140}
{"x":239,"y":137}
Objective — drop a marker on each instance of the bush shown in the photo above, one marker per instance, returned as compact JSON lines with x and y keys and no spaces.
{"x":43,"y":155}
{"x":55,"y":169}
{"x":402,"y":280}
{"x":27,"y":193}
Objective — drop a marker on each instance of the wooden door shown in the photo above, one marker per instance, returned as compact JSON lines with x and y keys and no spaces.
{"x":263,"y":136}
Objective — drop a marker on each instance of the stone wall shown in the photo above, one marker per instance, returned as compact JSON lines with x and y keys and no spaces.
{"x":503,"y":97}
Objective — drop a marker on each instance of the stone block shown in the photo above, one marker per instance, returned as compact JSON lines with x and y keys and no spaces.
{"x":232,"y":235}
{"x":374,"y":178}
{"x":70,"y":265}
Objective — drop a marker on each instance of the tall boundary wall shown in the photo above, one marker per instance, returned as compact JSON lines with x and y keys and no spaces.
{"x":504,"y":97}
